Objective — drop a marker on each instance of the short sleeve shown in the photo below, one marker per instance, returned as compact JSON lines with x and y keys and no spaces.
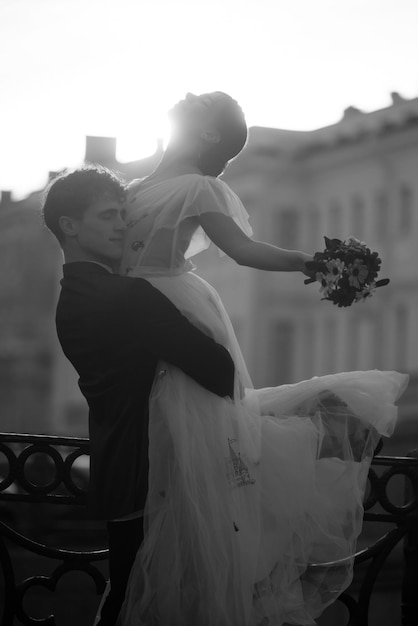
{"x":212,"y":195}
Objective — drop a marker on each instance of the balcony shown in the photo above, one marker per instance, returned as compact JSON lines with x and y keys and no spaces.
{"x":53,"y":559}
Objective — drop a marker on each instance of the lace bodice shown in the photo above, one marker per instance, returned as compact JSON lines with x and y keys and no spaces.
{"x":163,"y":221}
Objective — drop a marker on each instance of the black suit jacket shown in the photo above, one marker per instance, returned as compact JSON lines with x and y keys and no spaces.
{"x":114,"y":330}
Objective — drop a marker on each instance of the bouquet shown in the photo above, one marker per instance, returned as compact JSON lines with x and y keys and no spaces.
{"x":347,"y":271}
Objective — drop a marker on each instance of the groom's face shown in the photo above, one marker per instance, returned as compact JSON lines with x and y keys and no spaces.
{"x":100,"y":232}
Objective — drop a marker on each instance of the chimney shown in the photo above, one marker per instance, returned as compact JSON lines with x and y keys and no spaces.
{"x":101,"y":150}
{"x":6,"y":198}
{"x":397,"y":98}
{"x":351,"y":112}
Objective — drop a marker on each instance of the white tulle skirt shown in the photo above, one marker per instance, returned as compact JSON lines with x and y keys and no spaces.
{"x":250,"y":499}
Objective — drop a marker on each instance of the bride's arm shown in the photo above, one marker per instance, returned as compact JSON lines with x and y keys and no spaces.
{"x":227,"y":235}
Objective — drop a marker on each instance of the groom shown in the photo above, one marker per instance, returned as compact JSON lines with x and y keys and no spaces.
{"x":114,"y":330}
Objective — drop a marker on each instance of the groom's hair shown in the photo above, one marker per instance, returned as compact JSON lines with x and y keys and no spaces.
{"x":71,"y":192}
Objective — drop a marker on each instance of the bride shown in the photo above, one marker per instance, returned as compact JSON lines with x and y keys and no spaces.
{"x":249,"y":498}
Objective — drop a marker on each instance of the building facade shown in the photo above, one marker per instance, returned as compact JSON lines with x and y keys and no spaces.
{"x":357,"y":177}
{"x":29,"y":278}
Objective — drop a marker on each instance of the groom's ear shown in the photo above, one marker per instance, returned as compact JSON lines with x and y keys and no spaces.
{"x":68,"y":225}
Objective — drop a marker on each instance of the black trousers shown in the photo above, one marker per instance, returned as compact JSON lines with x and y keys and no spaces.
{"x":124,"y":541}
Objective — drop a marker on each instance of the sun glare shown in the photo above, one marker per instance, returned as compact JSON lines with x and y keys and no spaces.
{"x":133,"y":147}
{"x":139,"y":139}
{"x":113,"y":69}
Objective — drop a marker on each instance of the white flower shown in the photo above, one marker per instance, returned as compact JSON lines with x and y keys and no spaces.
{"x":327,"y":284}
{"x":335,"y":268}
{"x":366,"y":292}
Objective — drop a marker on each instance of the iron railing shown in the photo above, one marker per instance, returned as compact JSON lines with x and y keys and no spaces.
{"x":41,"y":470}
{"x":38,"y":469}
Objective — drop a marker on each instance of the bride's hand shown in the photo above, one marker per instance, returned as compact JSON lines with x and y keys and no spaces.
{"x":305,"y":259}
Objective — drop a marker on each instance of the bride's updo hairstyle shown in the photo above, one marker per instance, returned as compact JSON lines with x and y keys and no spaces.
{"x":217,"y":112}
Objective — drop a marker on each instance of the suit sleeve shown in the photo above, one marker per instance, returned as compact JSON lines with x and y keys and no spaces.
{"x":169,"y":335}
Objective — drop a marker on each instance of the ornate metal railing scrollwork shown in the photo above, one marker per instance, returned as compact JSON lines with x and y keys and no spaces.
{"x":19,"y":451}
{"x":58,"y":485}
{"x":403,"y":516}
{"x":51,"y":461}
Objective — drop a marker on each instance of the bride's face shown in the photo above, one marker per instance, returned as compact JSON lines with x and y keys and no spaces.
{"x":191,"y":115}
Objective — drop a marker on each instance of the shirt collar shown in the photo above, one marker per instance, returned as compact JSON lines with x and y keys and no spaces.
{"x":107,"y":267}
{"x":85,"y":267}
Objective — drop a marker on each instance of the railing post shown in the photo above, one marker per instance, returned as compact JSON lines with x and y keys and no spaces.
{"x":409,"y":601}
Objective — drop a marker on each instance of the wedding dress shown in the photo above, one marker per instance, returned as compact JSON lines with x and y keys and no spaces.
{"x":250,"y":499}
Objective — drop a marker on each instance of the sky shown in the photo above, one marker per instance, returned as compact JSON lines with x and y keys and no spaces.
{"x":71,"y":68}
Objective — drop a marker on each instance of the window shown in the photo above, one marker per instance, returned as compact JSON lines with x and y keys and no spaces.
{"x":335,"y":220}
{"x":353,"y":344}
{"x":284,"y":352}
{"x":405,"y":209}
{"x":365,"y":344}
{"x":401,"y":325}
{"x":382,"y":215}
{"x":289,"y":227}
{"x":314,"y":236}
{"x":309,"y":348}
{"x":358,"y":217}
{"x":378,"y":341}
{"x":331,"y":346}
{"x":360,"y":343}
